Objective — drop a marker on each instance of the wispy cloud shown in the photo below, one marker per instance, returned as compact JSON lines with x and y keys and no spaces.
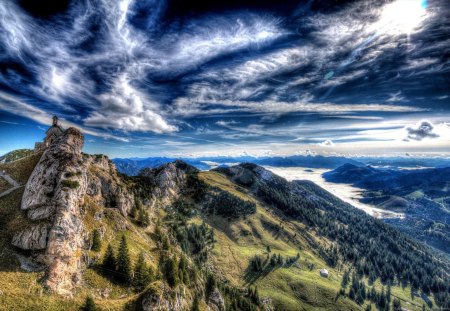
{"x":229,"y":77}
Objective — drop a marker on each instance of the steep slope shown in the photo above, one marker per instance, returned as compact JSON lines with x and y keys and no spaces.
{"x":376,"y":250}
{"x":15,"y":155}
{"x":208,"y":237}
{"x":421,"y":194}
{"x":52,"y":200}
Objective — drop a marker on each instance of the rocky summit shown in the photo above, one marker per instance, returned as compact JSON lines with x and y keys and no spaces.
{"x":52,"y":199}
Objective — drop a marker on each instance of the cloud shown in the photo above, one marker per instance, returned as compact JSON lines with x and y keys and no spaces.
{"x":424,"y":129}
{"x":396,"y":97}
{"x":197,"y":106}
{"x":127,"y":109}
{"x":18,"y":107}
{"x":326,"y":143}
{"x":250,"y":76}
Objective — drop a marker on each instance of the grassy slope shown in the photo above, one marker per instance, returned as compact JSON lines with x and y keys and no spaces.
{"x":292,"y":288}
{"x":237,"y":242}
{"x":16,"y":155}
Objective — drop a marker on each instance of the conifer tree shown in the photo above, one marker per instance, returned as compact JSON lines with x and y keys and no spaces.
{"x":89,"y":304}
{"x":109,"y":261}
{"x":96,"y":241}
{"x":210,"y":286}
{"x":171,"y":271}
{"x":124,"y":262}
{"x":388,"y":293}
{"x":196,"y":304}
{"x":143,"y":217}
{"x":141,"y":276}
{"x":396,"y":305}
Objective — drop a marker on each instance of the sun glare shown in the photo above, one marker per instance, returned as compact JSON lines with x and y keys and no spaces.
{"x":402,"y":16}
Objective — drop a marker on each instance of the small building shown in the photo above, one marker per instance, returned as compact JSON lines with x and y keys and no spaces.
{"x":324,"y":273}
{"x":52,"y":134}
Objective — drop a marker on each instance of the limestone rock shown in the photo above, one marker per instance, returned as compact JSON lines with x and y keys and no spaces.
{"x":105,"y":186}
{"x":217,"y":300}
{"x":169,"y":179}
{"x":160,"y":297}
{"x":34,"y":238}
{"x":54,"y":195}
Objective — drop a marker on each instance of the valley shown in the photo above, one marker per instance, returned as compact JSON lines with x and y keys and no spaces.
{"x":346,"y":192}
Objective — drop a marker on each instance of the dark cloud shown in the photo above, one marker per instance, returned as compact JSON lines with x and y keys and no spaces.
{"x":423,"y":130}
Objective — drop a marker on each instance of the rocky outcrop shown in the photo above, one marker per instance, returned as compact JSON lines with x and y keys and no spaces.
{"x":34,"y":238}
{"x":216,"y":300}
{"x":160,"y":297}
{"x":52,"y":200}
{"x":54,"y":193}
{"x":105,"y":186}
{"x":168,"y":179}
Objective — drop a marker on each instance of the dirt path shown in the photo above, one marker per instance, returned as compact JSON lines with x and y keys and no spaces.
{"x":237,"y":262}
{"x":15,"y":185}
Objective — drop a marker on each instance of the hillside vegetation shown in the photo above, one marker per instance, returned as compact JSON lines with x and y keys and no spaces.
{"x":233,"y":239}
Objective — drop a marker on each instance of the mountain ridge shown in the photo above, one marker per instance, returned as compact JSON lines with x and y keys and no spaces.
{"x":225,"y":226}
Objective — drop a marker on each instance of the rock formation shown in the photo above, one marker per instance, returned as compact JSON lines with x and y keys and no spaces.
{"x":52,"y":200}
{"x":168,"y":179}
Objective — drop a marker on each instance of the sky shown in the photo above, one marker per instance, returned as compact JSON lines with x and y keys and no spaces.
{"x":207,"y":78}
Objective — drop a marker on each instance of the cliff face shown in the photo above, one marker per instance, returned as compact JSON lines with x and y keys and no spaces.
{"x":52,"y":200}
{"x":168,"y":180}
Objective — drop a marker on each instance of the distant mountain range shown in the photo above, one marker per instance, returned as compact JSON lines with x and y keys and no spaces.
{"x":132,"y":166}
{"x":422,"y":194}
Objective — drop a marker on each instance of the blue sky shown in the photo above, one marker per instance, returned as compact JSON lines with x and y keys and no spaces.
{"x":152,"y":78}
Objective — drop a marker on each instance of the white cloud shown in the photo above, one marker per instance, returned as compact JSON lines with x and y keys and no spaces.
{"x":125,"y":108}
{"x":16,"y":106}
{"x":396,"y":97}
{"x":326,"y":143}
{"x":196,"y":107}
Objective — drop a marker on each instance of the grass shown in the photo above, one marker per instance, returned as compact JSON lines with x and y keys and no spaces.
{"x":289,"y":288}
{"x":72,"y":184}
{"x":4,"y":185}
{"x":16,"y":155}
{"x":21,"y":170}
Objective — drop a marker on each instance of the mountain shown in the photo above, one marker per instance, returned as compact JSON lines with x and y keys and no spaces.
{"x":132,"y":166}
{"x":421,"y":194}
{"x":15,"y":155}
{"x":405,"y":162}
{"x":177,"y":238}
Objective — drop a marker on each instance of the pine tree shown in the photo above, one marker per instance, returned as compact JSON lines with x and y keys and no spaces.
{"x":195,"y":304}
{"x":141,"y":276}
{"x":396,"y":305}
{"x":134,"y":209}
{"x":143,"y":217}
{"x":109,"y":261}
{"x":388,"y":294}
{"x":210,"y":286}
{"x":124,"y":262}
{"x":171,"y":271}
{"x":89,"y":304}
{"x":96,"y":241}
